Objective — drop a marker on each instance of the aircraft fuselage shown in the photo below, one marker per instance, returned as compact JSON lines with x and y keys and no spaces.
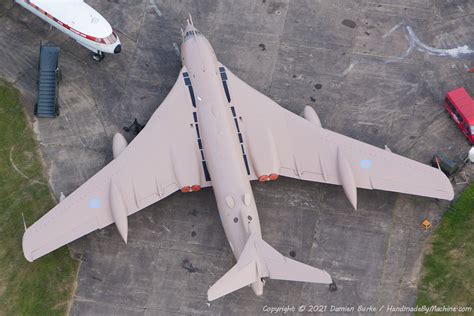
{"x":222,"y":147}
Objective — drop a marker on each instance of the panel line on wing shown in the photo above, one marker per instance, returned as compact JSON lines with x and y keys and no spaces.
{"x":241,"y":139}
{"x":236,"y":120}
{"x":224,"y":83}
{"x":187,"y":82}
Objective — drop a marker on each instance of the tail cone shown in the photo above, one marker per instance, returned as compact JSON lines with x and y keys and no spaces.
{"x":257,"y":287}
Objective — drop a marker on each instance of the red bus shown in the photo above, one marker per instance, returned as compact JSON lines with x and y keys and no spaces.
{"x":460,"y":106}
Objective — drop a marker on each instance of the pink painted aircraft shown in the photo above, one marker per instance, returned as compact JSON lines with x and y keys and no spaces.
{"x":79,"y":21}
{"x":215,"y":130}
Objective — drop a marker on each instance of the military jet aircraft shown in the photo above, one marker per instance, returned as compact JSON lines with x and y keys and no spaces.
{"x":79,"y":21}
{"x":215,"y":130}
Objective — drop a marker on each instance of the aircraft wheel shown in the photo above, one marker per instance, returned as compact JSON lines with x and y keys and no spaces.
{"x":98,"y":57}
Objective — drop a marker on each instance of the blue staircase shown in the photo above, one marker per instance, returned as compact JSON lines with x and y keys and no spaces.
{"x":47,"y":104}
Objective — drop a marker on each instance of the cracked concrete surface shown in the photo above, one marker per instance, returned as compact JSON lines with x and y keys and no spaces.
{"x":358,"y":77}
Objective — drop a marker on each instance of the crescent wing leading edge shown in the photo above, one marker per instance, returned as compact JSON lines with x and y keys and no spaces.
{"x":281,"y":142}
{"x":151,"y":167}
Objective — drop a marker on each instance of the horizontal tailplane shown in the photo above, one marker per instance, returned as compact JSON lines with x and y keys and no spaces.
{"x":259,"y":260}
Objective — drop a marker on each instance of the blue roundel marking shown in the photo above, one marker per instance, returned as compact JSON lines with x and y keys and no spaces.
{"x":94,"y":203}
{"x":366,"y":164}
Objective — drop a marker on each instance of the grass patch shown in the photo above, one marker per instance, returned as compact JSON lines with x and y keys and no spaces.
{"x":448,"y":268}
{"x":43,"y":287}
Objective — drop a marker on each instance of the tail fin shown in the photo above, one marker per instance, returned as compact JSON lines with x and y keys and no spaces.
{"x":259,"y":260}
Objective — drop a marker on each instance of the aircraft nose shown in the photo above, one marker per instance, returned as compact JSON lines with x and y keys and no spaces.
{"x":189,"y":25}
{"x":118,"y":49}
{"x":188,"y":28}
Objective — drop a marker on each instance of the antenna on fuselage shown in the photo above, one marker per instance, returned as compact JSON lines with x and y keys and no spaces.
{"x":191,"y":19}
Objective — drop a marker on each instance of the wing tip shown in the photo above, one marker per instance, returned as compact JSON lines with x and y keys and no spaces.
{"x":211,"y":296}
{"x":27,"y":252}
{"x":450,"y":195}
{"x":30,"y":259}
{"x":448,"y":190}
{"x":328,"y":278}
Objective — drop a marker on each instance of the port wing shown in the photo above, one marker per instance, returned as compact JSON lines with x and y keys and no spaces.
{"x":163,"y":158}
{"x":280,"y":142}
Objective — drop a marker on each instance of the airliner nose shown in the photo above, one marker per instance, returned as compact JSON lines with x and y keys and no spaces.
{"x":118,"y":49}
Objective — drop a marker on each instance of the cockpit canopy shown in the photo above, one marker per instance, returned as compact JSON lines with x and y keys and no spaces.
{"x":191,"y":33}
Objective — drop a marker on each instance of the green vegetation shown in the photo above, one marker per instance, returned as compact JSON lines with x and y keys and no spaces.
{"x":448,"y":271}
{"x":45,"y":286}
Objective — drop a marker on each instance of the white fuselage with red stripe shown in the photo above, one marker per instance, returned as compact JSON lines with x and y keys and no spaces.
{"x":78,"y":20}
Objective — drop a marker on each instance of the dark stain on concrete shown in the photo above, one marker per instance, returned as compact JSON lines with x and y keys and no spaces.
{"x":349,"y":23}
{"x":274,"y":7}
{"x":187,"y":265}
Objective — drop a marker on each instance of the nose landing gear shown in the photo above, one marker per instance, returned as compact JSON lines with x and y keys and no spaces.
{"x":99,"y":56}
